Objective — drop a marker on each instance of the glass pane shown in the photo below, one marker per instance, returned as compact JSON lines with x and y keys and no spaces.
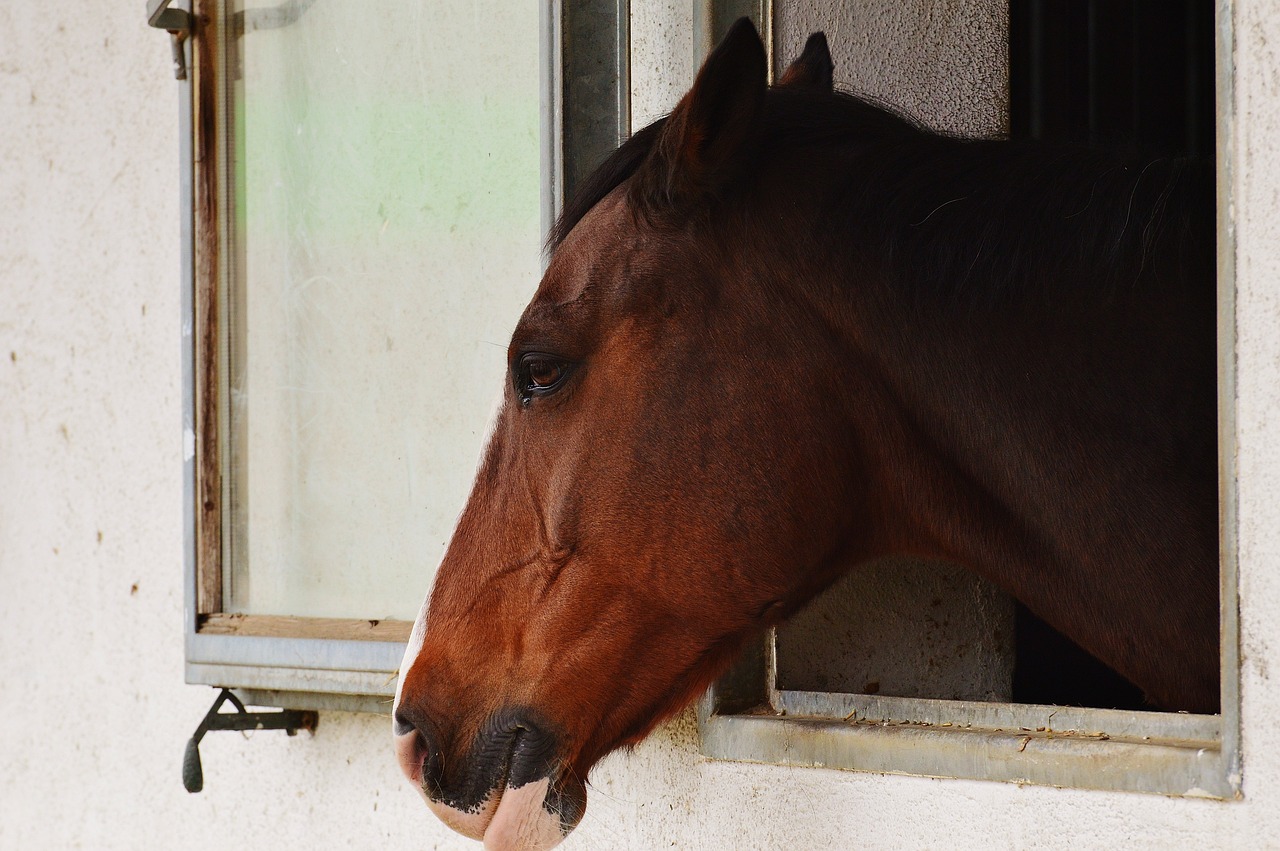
{"x":382,"y":171}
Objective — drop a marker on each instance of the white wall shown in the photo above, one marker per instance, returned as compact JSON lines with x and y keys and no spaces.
{"x":93,"y":711}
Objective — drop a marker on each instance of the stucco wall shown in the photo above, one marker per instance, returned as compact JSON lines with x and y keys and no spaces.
{"x":945,"y":62}
{"x":94,"y":712}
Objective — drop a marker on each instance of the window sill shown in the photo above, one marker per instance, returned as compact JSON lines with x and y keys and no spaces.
{"x":1160,"y":753}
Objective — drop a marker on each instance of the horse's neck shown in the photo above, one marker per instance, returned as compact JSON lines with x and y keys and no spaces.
{"x":1064,"y":451}
{"x":1050,"y":378}
{"x":1062,"y":463}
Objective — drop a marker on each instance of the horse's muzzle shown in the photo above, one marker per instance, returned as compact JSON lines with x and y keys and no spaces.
{"x":508,"y":791}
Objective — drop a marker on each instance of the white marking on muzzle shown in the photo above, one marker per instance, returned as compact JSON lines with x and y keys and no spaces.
{"x":522,"y":823}
{"x":409,"y":753}
{"x":411,"y":651}
{"x":471,"y":825}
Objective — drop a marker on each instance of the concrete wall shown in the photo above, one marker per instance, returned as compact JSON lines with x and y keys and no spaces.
{"x":94,"y":710}
{"x":943,"y":61}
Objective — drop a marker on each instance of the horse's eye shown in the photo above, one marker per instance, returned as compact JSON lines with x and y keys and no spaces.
{"x":544,"y":373}
{"x":539,"y":374}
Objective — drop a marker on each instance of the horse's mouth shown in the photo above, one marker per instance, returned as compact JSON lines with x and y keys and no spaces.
{"x":523,"y":820}
{"x":526,"y":806}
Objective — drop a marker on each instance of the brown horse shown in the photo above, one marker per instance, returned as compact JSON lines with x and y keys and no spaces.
{"x":783,"y":332}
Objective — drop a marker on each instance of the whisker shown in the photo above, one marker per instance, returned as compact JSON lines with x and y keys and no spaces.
{"x":939,"y":207}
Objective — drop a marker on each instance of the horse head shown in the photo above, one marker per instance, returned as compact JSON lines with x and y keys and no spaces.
{"x":783,"y":332}
{"x":669,"y":450}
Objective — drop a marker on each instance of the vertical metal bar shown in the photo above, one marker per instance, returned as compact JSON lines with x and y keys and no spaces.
{"x":1199,"y":95}
{"x":703,"y":30}
{"x":551,"y":117}
{"x":595,"y":90}
{"x":231,"y":282}
{"x":712,"y":19}
{"x":1139,"y":54}
{"x":1228,"y":475}
{"x":622,"y":62}
{"x":1094,"y":73}
{"x":1035,"y":70}
{"x":1192,"y":91}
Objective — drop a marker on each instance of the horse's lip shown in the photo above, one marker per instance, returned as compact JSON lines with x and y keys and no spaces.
{"x":474,"y":819}
{"x":521,"y":817}
{"x":526,"y":803}
{"x":523,"y":821}
{"x":508,"y":764}
{"x":504,"y":776}
{"x":496,"y":790}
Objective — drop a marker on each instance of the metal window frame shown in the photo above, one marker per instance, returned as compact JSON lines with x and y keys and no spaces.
{"x":745,"y":717}
{"x":713,"y":18}
{"x":584,"y":67}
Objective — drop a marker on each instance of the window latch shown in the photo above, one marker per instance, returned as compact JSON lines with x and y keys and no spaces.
{"x":178,"y":23}
{"x":289,"y":720}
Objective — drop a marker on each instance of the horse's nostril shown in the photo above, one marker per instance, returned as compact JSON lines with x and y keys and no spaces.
{"x":403,"y":726}
{"x":418,"y":753}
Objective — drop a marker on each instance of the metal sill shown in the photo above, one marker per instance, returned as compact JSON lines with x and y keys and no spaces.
{"x":1166,"y":767}
{"x":743,"y":718}
{"x":298,"y":673}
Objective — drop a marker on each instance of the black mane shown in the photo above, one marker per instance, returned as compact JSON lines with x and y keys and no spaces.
{"x":609,"y":175}
{"x":985,"y":221}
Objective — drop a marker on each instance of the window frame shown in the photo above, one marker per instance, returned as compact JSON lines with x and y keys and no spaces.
{"x":745,"y":717}
{"x":352,"y":664}
{"x":325,"y":663}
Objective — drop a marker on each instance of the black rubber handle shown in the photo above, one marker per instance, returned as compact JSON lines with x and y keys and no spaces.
{"x":192,"y":773}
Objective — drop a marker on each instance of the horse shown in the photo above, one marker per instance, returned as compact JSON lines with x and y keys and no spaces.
{"x":785,"y":331}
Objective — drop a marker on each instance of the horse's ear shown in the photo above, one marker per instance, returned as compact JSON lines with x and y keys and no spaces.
{"x":706,"y":130}
{"x":813,"y":68}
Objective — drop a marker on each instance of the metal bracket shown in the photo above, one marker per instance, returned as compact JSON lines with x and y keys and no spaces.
{"x":178,"y":24}
{"x":289,"y":720}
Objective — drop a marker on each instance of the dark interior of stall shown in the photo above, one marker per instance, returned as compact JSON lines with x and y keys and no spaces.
{"x":1130,"y":75}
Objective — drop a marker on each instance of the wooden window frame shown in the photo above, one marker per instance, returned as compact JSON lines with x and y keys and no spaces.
{"x":746,"y":717}
{"x":327,"y":663}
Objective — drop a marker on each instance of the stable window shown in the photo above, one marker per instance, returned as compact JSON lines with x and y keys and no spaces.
{"x":369,"y":190}
{"x":923,"y":669}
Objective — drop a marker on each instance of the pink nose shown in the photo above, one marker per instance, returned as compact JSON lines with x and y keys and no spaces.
{"x":422,"y":764}
{"x":413,"y":751}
